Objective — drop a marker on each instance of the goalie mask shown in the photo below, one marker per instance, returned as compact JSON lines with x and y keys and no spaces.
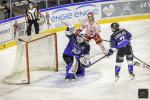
{"x":85,"y":61}
{"x":80,"y":38}
{"x":90,"y":16}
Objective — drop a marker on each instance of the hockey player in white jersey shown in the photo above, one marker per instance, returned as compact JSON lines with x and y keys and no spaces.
{"x":93,"y":31}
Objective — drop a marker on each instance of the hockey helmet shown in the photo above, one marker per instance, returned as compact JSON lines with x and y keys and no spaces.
{"x":90,"y":16}
{"x":114,"y":26}
{"x":80,"y":38}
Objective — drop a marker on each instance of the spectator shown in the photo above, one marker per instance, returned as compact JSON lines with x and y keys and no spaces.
{"x":6,"y":10}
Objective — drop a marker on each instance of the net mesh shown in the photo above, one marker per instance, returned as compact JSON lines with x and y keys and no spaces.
{"x":41,"y":55}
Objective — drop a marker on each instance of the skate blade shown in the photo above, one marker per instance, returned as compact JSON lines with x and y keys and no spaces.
{"x":70,"y":80}
{"x":116,"y":78}
{"x":133,"y":77}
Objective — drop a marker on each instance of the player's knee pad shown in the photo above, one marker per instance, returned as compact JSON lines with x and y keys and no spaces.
{"x":119,"y":64}
{"x":119,"y":59}
{"x":129,"y":57}
{"x":130,"y":62}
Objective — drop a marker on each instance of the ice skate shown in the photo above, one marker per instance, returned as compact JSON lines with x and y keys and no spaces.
{"x":132,"y":76}
{"x":70,"y":79}
{"x":116,"y":76}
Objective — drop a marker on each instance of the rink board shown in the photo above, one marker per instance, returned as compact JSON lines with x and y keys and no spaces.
{"x":104,"y":12}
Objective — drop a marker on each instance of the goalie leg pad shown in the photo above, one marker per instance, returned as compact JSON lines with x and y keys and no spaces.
{"x":70,"y":74}
{"x":81,"y":70}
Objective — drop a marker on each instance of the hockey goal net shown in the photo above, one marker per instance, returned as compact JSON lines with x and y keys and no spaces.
{"x":34,"y":53}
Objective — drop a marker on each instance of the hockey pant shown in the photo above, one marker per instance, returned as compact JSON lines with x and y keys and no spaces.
{"x":98,"y":41}
{"x":120,"y":58}
{"x":96,"y":37}
{"x":29,"y":27}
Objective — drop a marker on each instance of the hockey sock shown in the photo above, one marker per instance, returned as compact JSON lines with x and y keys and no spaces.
{"x":130,"y":68}
{"x":102,"y":48}
{"x":117,"y":69}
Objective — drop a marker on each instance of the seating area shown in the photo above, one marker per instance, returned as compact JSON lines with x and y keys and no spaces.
{"x":18,"y":7}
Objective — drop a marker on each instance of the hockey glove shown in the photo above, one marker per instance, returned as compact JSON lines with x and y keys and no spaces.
{"x":110,"y":52}
{"x":85,"y":61}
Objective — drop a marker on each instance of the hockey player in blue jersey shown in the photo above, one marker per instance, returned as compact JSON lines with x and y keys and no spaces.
{"x":120,"y":40}
{"x":76,"y":50}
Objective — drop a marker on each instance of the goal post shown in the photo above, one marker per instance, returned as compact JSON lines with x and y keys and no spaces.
{"x":34,"y":53}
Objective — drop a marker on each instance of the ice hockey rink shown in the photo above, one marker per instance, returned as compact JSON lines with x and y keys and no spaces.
{"x":99,"y":82}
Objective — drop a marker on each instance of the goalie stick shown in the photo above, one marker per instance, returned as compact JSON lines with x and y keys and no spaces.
{"x":97,"y":60}
{"x":138,"y":64}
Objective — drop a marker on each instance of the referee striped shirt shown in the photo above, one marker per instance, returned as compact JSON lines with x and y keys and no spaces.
{"x":32,"y":14}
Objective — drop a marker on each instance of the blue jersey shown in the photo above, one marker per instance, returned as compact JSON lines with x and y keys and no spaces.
{"x":120,"y":38}
{"x":74,"y":48}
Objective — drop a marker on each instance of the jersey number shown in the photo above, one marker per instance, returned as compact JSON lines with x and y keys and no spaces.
{"x":121,"y":38}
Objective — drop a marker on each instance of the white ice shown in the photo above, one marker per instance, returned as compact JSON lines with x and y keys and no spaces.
{"x":98,"y":83}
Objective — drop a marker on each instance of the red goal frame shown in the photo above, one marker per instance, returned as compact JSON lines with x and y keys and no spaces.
{"x":27,"y":54}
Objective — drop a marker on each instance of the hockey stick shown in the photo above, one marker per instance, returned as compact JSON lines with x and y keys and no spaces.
{"x":145,"y":64}
{"x":106,"y":40}
{"x":64,"y":23}
{"x":97,"y":60}
{"x":72,"y":32}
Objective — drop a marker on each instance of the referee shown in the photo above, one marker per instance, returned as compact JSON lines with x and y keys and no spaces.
{"x":32,"y":17}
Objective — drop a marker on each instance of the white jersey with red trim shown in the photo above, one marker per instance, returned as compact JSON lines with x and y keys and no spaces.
{"x":91,"y":28}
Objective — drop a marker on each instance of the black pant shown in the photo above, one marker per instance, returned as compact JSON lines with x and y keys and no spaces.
{"x":29,"y":27}
{"x":69,"y":61}
{"x":124,"y":51}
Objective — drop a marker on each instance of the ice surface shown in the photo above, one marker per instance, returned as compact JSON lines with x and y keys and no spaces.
{"x":98,"y":84}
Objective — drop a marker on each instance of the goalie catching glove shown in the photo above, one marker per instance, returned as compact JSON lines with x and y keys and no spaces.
{"x":85,"y":61}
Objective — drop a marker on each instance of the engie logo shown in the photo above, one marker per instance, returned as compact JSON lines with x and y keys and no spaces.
{"x":83,"y":10}
{"x":61,"y":14}
{"x":73,"y":12}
